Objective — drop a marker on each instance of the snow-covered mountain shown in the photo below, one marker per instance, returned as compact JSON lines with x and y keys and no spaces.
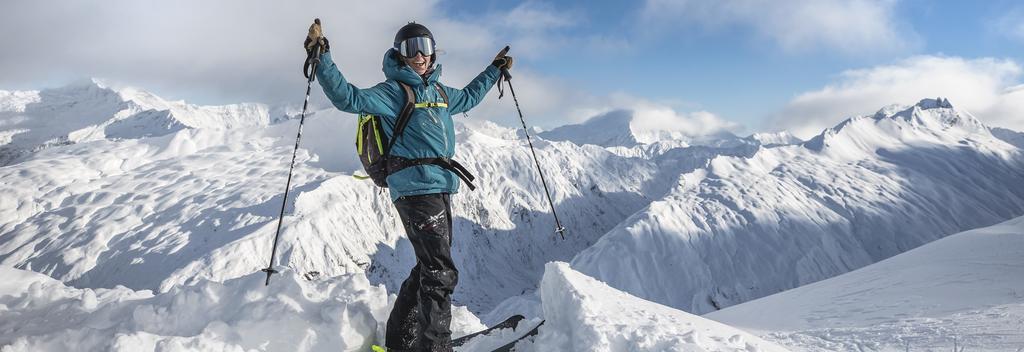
{"x":967,"y":286}
{"x":872,"y":187}
{"x":696,"y":224}
{"x":87,"y":111}
{"x":199,"y":203}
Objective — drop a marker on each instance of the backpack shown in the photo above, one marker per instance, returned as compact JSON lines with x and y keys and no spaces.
{"x":374,"y":146}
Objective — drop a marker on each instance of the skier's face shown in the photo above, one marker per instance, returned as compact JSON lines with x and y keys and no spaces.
{"x":419,"y":63}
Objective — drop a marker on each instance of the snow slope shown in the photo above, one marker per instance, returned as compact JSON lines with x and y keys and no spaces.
{"x":968,"y":286}
{"x":872,"y":187}
{"x":584,"y":314}
{"x":1009,"y":136}
{"x":343,"y":313}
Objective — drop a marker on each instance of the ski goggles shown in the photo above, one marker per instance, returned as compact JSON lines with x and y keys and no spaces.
{"x":411,"y":46}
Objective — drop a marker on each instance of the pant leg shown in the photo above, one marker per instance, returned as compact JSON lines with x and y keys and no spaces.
{"x":427,"y":220}
{"x":403,"y":328}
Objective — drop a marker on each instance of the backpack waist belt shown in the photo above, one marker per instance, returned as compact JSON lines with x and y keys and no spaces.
{"x":396,"y":163}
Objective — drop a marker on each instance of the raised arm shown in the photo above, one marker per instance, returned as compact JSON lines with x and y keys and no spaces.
{"x":461,"y":100}
{"x":381,"y":99}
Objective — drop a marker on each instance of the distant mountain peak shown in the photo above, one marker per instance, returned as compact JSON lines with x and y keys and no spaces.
{"x":931,"y":116}
{"x":937,"y":103}
{"x":609,"y":129}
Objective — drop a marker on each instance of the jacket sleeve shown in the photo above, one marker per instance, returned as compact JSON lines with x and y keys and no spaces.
{"x":461,"y":100}
{"x":380,"y":99}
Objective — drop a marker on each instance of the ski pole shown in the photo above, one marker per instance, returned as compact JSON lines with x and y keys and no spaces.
{"x":508,"y":79}
{"x":309,"y":84}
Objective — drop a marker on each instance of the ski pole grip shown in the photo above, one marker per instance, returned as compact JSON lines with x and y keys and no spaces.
{"x":504,"y":72}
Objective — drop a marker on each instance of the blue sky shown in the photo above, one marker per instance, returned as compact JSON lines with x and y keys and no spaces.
{"x":736,"y":72}
{"x":698,"y":66}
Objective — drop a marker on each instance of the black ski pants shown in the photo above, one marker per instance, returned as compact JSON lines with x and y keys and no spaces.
{"x":421,"y":318}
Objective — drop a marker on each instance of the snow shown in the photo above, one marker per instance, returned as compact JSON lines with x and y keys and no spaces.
{"x":202,"y":203}
{"x":89,"y":111}
{"x":123,"y":194}
{"x":1009,"y":136}
{"x":41,"y":314}
{"x":747,"y":226}
{"x":967,"y":286}
{"x":583,"y":314}
{"x":344,"y":313}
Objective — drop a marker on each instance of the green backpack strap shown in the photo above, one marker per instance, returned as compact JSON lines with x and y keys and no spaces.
{"x":403,"y":116}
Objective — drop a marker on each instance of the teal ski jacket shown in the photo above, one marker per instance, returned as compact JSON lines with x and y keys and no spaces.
{"x":430,"y":132}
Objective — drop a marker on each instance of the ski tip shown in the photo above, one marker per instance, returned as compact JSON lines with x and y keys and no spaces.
{"x":375,"y":348}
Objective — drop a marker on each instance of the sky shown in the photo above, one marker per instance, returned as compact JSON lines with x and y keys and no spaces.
{"x":742,"y":66}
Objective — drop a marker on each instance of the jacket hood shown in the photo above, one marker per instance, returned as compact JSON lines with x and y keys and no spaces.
{"x":395,"y":69}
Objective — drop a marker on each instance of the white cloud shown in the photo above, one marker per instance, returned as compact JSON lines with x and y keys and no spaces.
{"x":851,"y":26}
{"x":652,"y":123}
{"x":250,"y":50}
{"x":223,"y":51}
{"x":988,"y":88}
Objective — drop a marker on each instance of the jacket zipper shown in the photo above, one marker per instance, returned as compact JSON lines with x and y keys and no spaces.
{"x":444,"y":129}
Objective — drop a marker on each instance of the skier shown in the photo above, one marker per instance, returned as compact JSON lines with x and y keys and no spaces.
{"x":422,"y":175}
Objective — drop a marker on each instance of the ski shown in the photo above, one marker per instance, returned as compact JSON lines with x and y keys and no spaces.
{"x":512,"y":322}
{"x":509,"y":347}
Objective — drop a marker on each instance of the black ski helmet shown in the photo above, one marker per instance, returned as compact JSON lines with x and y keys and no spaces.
{"x":412,"y":30}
